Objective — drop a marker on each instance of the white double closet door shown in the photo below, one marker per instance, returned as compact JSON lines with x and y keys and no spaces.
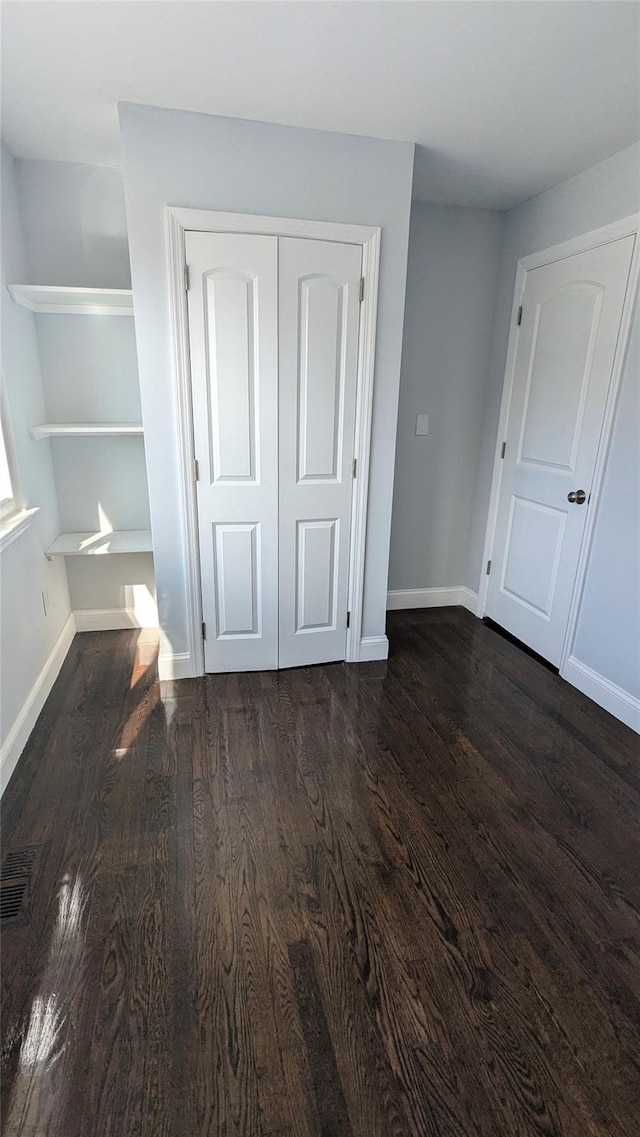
{"x":273,"y":327}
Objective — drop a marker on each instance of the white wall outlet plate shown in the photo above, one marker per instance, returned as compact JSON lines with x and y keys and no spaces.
{"x":422,"y":424}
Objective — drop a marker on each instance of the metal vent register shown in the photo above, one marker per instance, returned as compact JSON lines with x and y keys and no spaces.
{"x":15,"y":883}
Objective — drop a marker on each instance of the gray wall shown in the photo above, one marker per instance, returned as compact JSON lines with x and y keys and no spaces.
{"x":609,"y":625}
{"x":75,"y":233}
{"x":207,"y":162}
{"x":28,"y":636}
{"x":452,"y":278}
{"x":75,"y":223}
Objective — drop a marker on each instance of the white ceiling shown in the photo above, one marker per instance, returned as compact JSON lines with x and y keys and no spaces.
{"x":504,"y":99}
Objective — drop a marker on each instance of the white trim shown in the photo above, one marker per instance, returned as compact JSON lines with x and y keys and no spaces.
{"x":210,"y":221}
{"x":627,"y":226}
{"x":372,"y":648}
{"x":177,"y":665}
{"x":12,"y":527}
{"x":503,"y":420}
{"x":362,"y":445}
{"x":182,"y":382}
{"x":615,"y":231}
{"x":178,"y":221}
{"x":18,"y":736}
{"x":469,"y":599}
{"x":459,"y":596}
{"x":107,"y":619}
{"x":603,"y":692}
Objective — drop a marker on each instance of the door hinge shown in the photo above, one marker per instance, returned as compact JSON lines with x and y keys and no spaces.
{"x":503,"y":450}
{"x":348,"y":619}
{"x":196,"y":470}
{"x":354,"y":468}
{"x":488,"y":567}
{"x":186,"y":278}
{"x":519,"y":315}
{"x":361,"y":289}
{"x":204,"y":630}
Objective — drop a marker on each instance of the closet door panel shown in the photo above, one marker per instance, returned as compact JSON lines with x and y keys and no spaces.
{"x":316,"y":575}
{"x":232,"y":303}
{"x":238,"y":597}
{"x":319,"y":303}
{"x":321,"y":377}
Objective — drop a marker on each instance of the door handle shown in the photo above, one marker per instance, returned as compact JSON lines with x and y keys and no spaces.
{"x":577,"y":496}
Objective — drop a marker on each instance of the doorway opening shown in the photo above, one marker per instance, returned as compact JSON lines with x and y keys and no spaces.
{"x":571,"y":316}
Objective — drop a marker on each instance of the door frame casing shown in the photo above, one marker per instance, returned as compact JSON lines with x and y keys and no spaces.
{"x":625,"y":227}
{"x":178,"y":221}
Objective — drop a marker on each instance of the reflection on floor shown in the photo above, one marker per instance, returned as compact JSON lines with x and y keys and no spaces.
{"x":378,"y":901}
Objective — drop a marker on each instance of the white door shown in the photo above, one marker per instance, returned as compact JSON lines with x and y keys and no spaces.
{"x":567,"y":339}
{"x":273,"y":439}
{"x":233,"y":332}
{"x":319,"y":304}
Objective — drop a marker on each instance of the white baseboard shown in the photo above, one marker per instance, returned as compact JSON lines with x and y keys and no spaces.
{"x":469,"y":599}
{"x":432,"y":598}
{"x":178,"y":665}
{"x":603,"y":692}
{"x":372,"y":648}
{"x":18,"y":736}
{"x":107,"y":619}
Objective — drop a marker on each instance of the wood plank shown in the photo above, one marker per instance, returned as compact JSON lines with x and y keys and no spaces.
{"x":387,"y":900}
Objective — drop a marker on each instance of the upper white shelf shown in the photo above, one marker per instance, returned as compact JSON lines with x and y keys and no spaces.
{"x":87,"y":429}
{"x":73,"y":301}
{"x":99,"y":544}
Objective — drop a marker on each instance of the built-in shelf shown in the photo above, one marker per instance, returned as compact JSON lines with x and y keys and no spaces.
{"x":99,"y":544}
{"x":87,"y":429}
{"x":57,"y":299}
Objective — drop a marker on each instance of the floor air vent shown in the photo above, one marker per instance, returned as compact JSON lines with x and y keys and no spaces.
{"x":11,"y":897}
{"x":17,"y":874}
{"x":18,"y":863}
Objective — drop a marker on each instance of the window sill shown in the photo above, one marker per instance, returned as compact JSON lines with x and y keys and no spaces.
{"x":11,"y":529}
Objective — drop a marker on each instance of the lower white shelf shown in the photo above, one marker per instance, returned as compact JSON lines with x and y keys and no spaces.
{"x":100,"y":544}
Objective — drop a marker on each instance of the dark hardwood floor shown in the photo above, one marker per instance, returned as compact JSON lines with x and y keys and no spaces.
{"x":380,"y":901}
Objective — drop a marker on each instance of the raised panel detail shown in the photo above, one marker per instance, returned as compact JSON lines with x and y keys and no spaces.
{"x":316,"y":574}
{"x":230,"y":315}
{"x":236,"y":560}
{"x":321,"y":377}
{"x":532,"y":554}
{"x":559,"y":370}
